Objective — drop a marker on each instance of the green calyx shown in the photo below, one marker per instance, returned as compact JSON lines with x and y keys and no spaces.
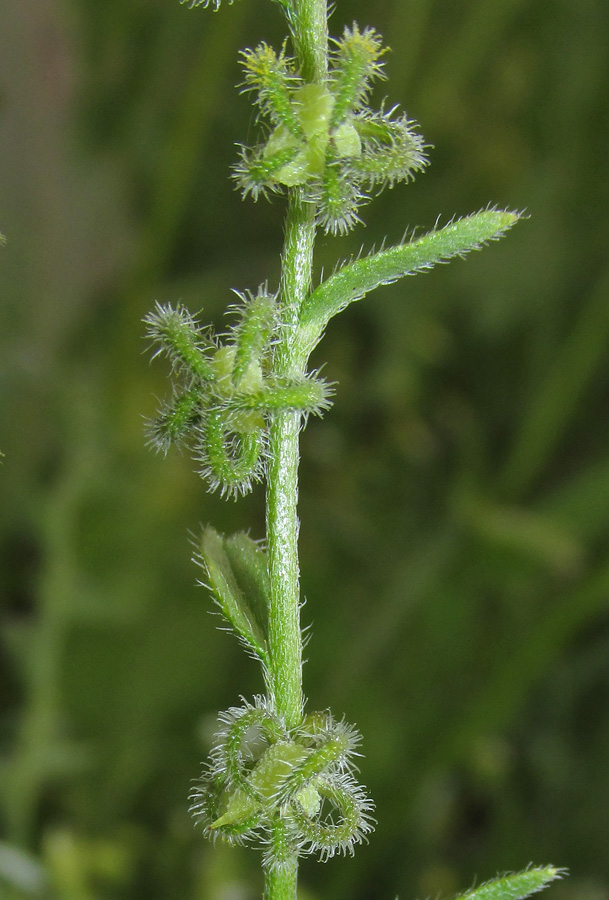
{"x":265,"y":780}
{"x":263,"y":777}
{"x":224,"y":393}
{"x":324,"y":137}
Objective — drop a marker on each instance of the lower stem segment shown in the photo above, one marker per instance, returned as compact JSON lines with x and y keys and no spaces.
{"x":284,"y":632}
{"x":284,"y":637}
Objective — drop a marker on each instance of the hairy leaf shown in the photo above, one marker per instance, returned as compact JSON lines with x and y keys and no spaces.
{"x":355,"y":279}
{"x":242,"y":610}
{"x":516,"y":886}
{"x":249,"y":564}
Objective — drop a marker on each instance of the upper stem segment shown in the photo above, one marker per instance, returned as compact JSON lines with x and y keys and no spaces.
{"x":284,"y":636}
{"x":308,"y":21}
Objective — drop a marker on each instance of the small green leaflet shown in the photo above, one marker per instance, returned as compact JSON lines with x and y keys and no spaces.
{"x":237,"y":575}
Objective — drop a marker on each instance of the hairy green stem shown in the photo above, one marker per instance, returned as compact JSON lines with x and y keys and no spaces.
{"x":284,"y":632}
{"x":281,"y":885}
{"x":308,"y":20}
{"x":284,"y":637}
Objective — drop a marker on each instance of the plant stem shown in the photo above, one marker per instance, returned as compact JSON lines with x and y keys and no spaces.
{"x":284,"y":633}
{"x":309,"y":23}
{"x":285,"y":638}
{"x":285,"y":643}
{"x":281,"y":885}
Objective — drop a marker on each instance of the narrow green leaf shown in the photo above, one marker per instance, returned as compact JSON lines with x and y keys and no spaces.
{"x":516,"y":886}
{"x":224,"y":583}
{"x":354,"y":280}
{"x":250,"y":568}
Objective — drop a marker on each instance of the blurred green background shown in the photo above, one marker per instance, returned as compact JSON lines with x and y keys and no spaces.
{"x":454,"y":503}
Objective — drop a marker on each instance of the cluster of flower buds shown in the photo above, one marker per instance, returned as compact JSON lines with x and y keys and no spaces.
{"x":224,"y":392}
{"x":324,"y":137}
{"x":293,"y":790}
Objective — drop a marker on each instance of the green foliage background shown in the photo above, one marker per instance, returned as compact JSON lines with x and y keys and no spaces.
{"x":455,"y":501}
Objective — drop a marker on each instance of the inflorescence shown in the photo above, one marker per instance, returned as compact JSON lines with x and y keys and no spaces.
{"x":292,"y":790}
{"x":324,"y":137}
{"x":225,"y":392}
